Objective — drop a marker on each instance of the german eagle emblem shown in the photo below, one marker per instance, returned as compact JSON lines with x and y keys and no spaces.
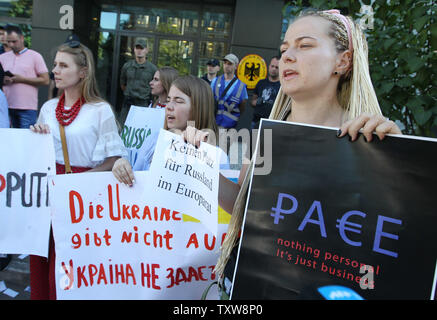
{"x":251,"y":71}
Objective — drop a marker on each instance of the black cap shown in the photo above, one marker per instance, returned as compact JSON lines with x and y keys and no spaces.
{"x":73,"y":41}
{"x":72,"y":37}
{"x":213,"y":62}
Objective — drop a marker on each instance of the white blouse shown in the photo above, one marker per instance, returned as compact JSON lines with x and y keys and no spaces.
{"x":91,"y":137}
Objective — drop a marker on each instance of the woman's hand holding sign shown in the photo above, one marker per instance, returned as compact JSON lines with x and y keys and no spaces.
{"x":122,"y":171}
{"x":40,"y":128}
{"x":368,"y":124}
{"x":194,"y":136}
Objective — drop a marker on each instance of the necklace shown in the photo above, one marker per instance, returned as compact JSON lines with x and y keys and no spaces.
{"x":66,"y":117}
{"x":160,"y":105}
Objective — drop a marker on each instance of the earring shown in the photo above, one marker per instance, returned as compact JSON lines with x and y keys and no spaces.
{"x":336,"y":73}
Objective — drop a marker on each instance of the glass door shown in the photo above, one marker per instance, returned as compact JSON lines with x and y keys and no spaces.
{"x":177,"y":54}
{"x":181,"y":35}
{"x":211,"y":50}
{"x":104,"y":63}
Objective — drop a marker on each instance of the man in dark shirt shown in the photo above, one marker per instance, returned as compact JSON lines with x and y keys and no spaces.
{"x":212,"y":67}
{"x":265,"y":93}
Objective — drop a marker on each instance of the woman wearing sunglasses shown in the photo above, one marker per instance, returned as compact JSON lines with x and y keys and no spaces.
{"x":91,"y":134}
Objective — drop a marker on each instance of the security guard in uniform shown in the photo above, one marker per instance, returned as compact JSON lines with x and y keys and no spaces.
{"x":230,"y":94}
{"x":134,"y":79}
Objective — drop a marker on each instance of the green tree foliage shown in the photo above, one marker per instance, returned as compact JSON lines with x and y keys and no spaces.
{"x":23,"y":9}
{"x":402,"y":51}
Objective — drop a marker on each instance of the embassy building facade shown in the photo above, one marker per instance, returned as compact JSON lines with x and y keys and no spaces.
{"x":181,"y":34}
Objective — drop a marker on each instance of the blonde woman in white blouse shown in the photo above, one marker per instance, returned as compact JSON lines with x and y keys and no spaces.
{"x":93,"y":142}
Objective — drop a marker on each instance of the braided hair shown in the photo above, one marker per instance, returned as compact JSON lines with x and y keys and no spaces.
{"x":355,"y":93}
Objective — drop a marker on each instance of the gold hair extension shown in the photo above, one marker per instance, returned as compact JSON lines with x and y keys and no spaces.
{"x":280,"y":109}
{"x":234,"y":224}
{"x":362,"y":97}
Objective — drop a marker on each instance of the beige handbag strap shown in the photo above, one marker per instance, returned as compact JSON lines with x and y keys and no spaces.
{"x":65,"y":150}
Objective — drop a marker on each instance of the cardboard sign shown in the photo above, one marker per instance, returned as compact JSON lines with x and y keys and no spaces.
{"x":114,"y":242}
{"x":189,"y":175}
{"x":336,"y":219}
{"x":27,"y":160}
{"x":140,"y":132}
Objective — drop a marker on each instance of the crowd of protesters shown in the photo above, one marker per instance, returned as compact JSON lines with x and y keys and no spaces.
{"x":305,"y":84}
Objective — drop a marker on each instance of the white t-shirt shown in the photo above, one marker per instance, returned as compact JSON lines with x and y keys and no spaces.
{"x":91,"y":137}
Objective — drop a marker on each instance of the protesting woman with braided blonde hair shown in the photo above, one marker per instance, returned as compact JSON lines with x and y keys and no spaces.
{"x":325,"y":80}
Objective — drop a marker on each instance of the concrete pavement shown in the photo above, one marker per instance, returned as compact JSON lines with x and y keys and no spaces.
{"x":15,"y":279}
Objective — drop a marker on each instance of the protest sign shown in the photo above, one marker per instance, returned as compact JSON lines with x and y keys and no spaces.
{"x":336,"y":219}
{"x":189,"y":174}
{"x":114,"y":242}
{"x":27,"y":160}
{"x":140,"y":132}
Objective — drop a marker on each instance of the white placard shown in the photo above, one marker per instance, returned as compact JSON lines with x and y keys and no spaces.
{"x":115,"y":242}
{"x":189,"y":175}
{"x":27,"y":160}
{"x":140,"y":132}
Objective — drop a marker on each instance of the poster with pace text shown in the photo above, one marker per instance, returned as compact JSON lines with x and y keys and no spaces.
{"x":331,"y":207}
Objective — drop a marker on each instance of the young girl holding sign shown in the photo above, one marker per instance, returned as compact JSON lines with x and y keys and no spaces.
{"x":92,"y":140}
{"x":189,"y":99}
{"x":325,"y":81}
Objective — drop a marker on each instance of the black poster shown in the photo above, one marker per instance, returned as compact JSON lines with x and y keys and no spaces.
{"x":331,"y":207}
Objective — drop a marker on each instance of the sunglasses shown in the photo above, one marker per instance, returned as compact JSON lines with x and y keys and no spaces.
{"x":73,"y":44}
